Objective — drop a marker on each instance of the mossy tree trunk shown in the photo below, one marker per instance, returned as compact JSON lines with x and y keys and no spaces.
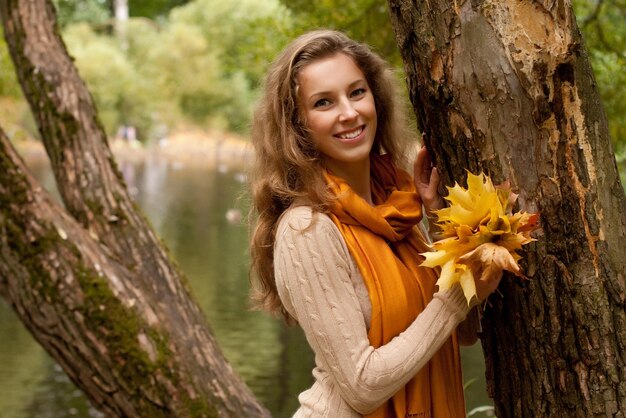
{"x":505,"y":86}
{"x":91,"y":281}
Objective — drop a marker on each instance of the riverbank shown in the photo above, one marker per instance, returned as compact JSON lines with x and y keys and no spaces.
{"x":211,"y":149}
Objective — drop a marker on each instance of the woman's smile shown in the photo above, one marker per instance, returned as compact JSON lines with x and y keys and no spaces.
{"x":353,"y":135}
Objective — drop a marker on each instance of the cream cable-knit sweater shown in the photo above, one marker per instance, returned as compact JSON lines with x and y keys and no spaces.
{"x":321,"y":287}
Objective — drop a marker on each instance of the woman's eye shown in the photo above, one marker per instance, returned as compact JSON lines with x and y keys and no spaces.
{"x":322,"y":102}
{"x":358,"y":92}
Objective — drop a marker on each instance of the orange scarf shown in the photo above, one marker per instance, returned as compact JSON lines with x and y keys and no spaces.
{"x":385,"y":244}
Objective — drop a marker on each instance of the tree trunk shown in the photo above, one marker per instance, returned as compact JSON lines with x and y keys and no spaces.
{"x":93,"y":283}
{"x":505,"y":86}
{"x":121,"y":10}
{"x":121,"y":21}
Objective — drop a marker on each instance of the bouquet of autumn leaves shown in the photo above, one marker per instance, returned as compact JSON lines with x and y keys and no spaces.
{"x":480,"y":233}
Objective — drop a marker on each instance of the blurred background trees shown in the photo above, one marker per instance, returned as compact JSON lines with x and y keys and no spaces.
{"x":197,"y":64}
{"x":602,"y":24}
{"x":201,"y":62}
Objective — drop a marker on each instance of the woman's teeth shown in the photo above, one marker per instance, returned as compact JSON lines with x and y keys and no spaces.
{"x":351,"y":135}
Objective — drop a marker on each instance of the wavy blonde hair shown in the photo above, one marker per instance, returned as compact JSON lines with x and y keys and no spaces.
{"x":288,"y":169}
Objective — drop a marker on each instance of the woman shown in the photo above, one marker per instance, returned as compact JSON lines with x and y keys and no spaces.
{"x":336,"y":247}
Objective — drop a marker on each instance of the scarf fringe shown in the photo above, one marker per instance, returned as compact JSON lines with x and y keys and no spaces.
{"x":419,"y":415}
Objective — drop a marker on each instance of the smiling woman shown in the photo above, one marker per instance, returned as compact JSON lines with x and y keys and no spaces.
{"x":336,"y":246}
{"x":340,"y":114}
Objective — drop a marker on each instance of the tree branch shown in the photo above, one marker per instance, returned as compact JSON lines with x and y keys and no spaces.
{"x":109,"y":335}
{"x":88,"y":180}
{"x":87,"y":177}
{"x":43,"y":248}
{"x":96,"y":197}
{"x":63,"y":109}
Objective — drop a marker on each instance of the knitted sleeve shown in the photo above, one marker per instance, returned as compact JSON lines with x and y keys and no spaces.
{"x":312,"y":277}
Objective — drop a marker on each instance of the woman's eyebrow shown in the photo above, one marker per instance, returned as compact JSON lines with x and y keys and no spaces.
{"x":326,"y":93}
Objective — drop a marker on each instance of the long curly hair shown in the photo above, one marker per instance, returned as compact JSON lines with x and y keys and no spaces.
{"x":288,"y":169}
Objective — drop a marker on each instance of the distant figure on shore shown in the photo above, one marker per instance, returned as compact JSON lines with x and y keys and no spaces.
{"x":128,"y":133}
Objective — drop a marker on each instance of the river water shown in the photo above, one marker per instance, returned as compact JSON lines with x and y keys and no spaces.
{"x":187,"y":205}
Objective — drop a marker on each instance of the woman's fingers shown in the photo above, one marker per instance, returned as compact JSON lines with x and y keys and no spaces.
{"x":426,"y":178}
{"x":434,"y":178}
{"x":422,"y":167}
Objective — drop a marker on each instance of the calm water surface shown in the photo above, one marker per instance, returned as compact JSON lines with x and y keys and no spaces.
{"x":187,"y":206}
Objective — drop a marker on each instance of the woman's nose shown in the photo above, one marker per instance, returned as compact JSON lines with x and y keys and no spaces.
{"x":347,"y":111}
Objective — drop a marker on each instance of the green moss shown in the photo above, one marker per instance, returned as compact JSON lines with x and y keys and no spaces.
{"x":30,"y":254}
{"x":14,"y":180}
{"x":118,"y":324}
{"x":94,"y":206}
{"x":199,"y":408}
{"x":114,"y":324}
{"x":117,"y":327}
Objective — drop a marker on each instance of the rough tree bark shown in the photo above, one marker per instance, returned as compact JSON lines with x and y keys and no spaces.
{"x":92,"y":282}
{"x":505,"y":86}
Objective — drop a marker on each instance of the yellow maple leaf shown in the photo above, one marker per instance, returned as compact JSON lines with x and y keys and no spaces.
{"x":481,"y":234}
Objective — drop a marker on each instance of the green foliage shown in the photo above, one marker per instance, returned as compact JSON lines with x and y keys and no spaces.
{"x":94,"y":12}
{"x":121,"y":94}
{"x":8,"y":80}
{"x":244,"y":34}
{"x":602,"y":25}
{"x":364,"y":20}
{"x":152,"y":9}
{"x":201,"y":66}
{"x":225,"y":46}
{"x":611,"y":78}
{"x":15,"y":117}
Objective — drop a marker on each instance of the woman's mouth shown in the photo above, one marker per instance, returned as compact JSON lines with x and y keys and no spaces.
{"x":351,"y":136}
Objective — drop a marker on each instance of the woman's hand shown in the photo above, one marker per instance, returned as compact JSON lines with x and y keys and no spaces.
{"x":426,"y":178}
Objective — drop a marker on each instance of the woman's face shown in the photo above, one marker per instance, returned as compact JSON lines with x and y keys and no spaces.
{"x":339,"y":110}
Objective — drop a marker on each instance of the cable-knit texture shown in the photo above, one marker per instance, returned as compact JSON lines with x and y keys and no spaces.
{"x":322,"y":289}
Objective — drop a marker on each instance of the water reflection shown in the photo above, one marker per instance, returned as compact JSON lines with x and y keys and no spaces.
{"x":187,"y":206}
